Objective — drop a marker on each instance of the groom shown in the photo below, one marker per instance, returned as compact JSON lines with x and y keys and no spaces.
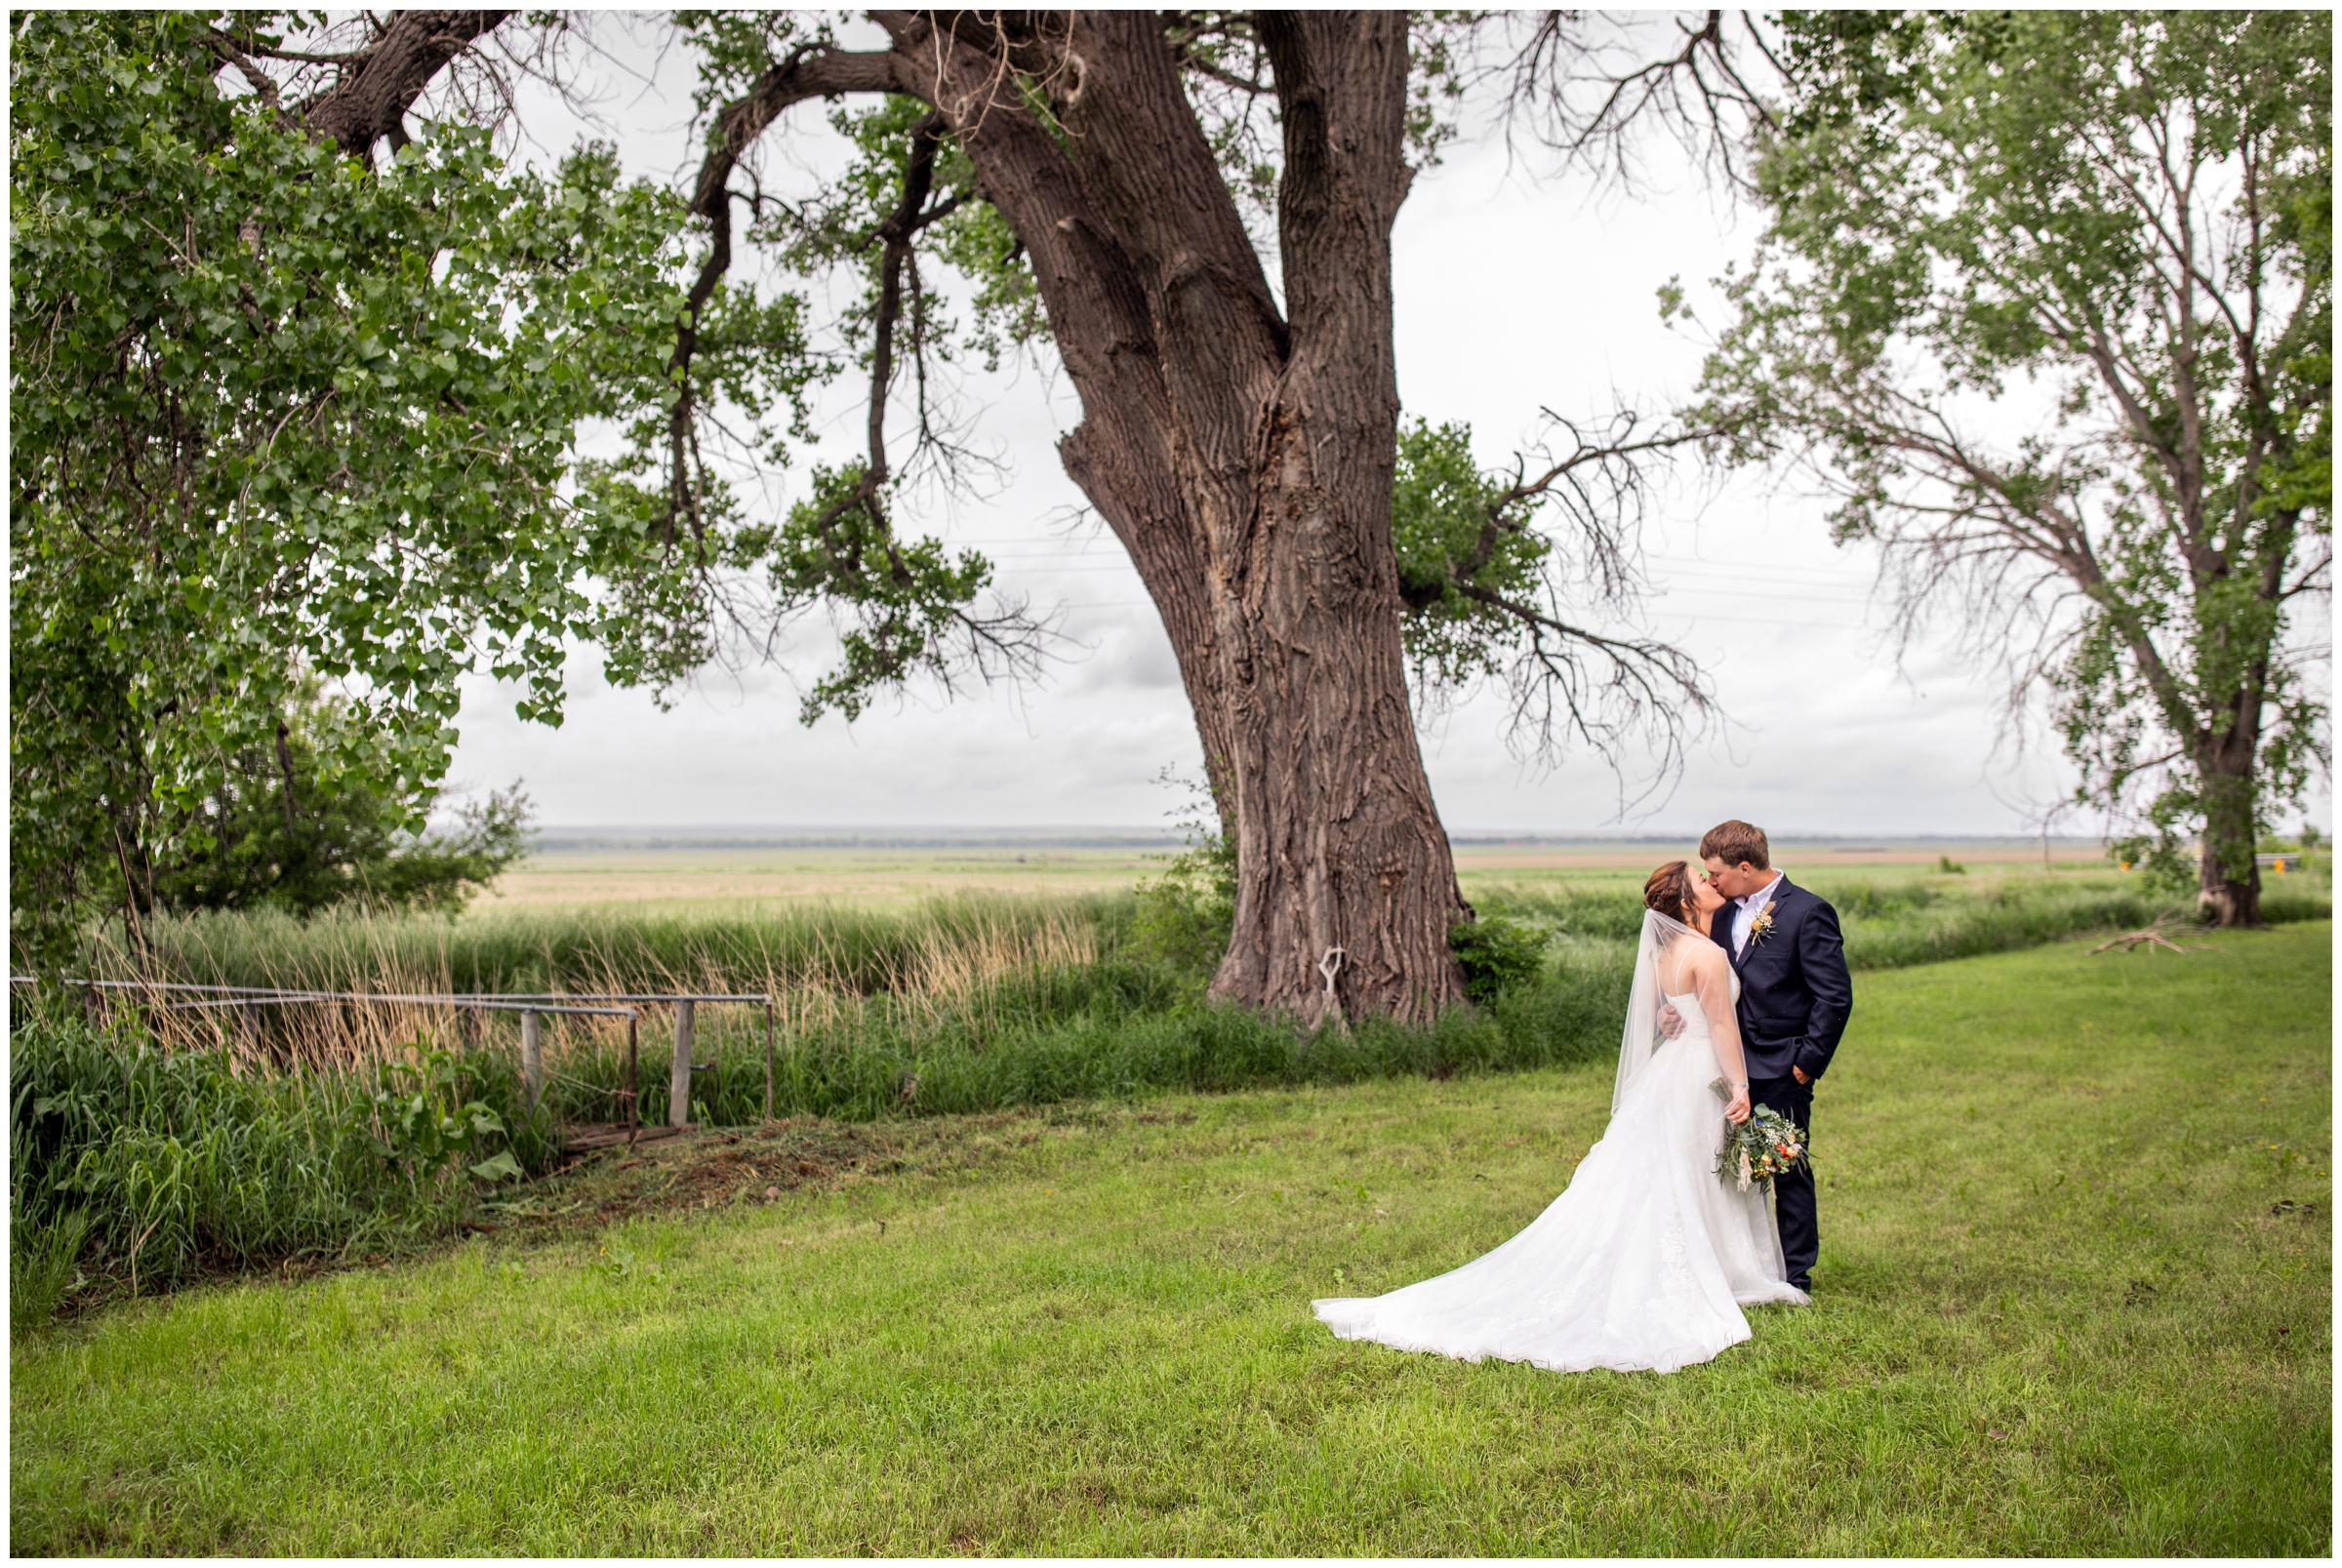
{"x":1795,"y":999}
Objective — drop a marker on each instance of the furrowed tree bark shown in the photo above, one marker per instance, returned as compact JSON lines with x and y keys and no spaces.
{"x":2226,"y":763}
{"x":1284,"y":434}
{"x":2227,"y":898}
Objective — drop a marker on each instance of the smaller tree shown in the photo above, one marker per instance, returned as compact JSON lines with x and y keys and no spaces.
{"x":276,"y":411}
{"x":276,"y":831}
{"x":2046,"y":303}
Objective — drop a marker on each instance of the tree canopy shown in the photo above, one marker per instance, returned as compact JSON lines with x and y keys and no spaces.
{"x":278,"y":418}
{"x":2046,"y":301}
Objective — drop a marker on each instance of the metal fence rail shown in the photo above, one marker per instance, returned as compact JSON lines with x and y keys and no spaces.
{"x":529,"y":1005}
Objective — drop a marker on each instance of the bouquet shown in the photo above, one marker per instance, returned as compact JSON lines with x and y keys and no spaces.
{"x":1765,"y":1145}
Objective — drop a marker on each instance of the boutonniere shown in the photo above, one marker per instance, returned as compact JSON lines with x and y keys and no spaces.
{"x":1762,"y":926}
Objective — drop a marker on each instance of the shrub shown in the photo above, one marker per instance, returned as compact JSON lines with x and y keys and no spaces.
{"x":1496,"y":953}
{"x":1186,"y":915}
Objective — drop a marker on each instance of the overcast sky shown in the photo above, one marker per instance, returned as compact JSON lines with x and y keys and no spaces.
{"x":1513,"y":294}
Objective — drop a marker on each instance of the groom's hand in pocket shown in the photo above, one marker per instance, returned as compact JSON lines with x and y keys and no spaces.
{"x":1799,"y":1073}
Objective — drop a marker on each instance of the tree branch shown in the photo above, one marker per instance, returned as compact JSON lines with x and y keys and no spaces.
{"x":809,"y":72}
{"x":370,"y":103}
{"x":1710,"y":104}
{"x":262,"y":83}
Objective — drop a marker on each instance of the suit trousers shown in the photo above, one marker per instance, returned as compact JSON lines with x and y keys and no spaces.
{"x":1792,"y":1193}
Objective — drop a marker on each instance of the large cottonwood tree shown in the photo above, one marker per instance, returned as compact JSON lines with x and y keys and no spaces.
{"x":1092,"y":173}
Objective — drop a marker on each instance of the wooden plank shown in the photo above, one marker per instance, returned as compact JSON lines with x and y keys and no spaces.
{"x":586,"y":1136}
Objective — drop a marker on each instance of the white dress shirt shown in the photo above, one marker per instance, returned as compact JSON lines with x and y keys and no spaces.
{"x":1746,"y":915}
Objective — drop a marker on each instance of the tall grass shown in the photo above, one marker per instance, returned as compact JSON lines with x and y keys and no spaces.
{"x":147,"y":1165}
{"x":150,"y":1165}
{"x":944,"y":945}
{"x":1117,"y":1029}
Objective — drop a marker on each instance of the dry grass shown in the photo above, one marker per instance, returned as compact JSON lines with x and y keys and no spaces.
{"x":820,"y":969}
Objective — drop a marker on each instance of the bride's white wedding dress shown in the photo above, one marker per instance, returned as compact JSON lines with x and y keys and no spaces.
{"x":1645,"y":1260}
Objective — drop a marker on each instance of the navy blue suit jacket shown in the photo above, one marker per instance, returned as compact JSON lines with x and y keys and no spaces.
{"x":1795,"y":992}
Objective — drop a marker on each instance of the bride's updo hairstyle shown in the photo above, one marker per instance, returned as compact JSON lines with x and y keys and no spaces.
{"x":1670,"y":891}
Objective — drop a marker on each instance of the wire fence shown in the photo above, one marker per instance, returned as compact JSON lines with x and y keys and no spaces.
{"x":191,"y":997}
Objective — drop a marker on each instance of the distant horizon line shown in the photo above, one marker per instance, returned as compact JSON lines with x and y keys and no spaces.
{"x":745,"y":835}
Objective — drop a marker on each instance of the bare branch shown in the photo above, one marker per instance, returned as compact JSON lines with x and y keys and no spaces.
{"x":810,"y":71}
{"x":1587,"y":87}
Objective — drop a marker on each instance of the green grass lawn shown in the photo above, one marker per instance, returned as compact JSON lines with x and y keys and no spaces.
{"x":2072,"y":1298}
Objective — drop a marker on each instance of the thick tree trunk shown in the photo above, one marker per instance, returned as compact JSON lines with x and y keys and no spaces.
{"x":2230,"y":878}
{"x":1345,"y":886}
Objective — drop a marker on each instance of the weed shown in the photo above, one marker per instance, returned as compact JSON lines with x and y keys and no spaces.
{"x":179,"y":1161}
{"x":42,"y":1267}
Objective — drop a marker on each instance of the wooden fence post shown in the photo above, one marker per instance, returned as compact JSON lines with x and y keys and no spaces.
{"x":532,"y":1060}
{"x":679,"y":1077}
{"x":633,"y":1081}
{"x":768,"y":1058}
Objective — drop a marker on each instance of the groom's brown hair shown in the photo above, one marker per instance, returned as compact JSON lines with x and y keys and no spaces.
{"x":1737,"y":843}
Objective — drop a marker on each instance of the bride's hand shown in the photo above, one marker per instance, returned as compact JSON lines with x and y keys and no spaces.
{"x":1736,"y":1109}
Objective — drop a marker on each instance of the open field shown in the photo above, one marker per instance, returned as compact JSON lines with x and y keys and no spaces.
{"x":657,"y":878}
{"x":654,"y":876}
{"x":2072,"y":1298}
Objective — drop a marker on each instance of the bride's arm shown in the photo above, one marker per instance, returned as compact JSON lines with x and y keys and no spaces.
{"x":1723,"y":1032}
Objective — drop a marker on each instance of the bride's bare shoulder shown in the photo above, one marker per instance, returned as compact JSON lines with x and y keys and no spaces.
{"x":1702,"y":957}
{"x":1690,"y":965}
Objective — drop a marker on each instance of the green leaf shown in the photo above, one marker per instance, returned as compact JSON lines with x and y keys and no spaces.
{"x":502,"y":1167}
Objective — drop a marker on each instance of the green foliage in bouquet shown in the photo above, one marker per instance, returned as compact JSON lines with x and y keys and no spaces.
{"x":1765,"y":1145}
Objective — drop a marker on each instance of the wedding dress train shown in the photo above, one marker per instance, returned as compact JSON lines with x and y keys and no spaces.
{"x":1643,"y":1263}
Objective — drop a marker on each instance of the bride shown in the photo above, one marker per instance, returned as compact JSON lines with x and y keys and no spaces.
{"x":1645,"y":1261}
